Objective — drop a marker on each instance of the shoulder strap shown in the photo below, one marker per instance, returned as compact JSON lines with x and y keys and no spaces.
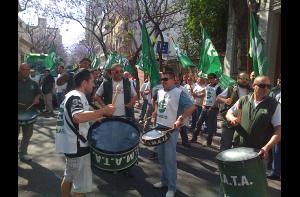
{"x":75,"y":130}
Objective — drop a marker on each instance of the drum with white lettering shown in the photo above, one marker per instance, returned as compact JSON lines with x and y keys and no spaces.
{"x":242,"y":173}
{"x":155,"y":137}
{"x":114,"y":144}
{"x":27,"y":117}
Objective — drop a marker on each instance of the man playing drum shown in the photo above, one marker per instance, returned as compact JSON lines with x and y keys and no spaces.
{"x":28,"y":96}
{"x":172,"y":107}
{"x":121,"y":92}
{"x":72,"y":129}
{"x":259,"y":116}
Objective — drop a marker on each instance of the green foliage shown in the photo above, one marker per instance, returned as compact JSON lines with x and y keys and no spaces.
{"x":212,"y":14}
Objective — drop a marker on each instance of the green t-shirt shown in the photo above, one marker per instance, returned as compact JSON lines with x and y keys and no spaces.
{"x":27,"y":90}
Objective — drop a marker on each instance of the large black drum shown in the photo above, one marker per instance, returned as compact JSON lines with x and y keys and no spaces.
{"x":114,"y":144}
{"x":27,"y":117}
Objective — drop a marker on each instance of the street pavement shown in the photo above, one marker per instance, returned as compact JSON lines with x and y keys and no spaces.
{"x":197,"y":170}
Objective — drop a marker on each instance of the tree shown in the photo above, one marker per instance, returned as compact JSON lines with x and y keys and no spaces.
{"x":212,"y":14}
{"x":98,"y":18}
{"x":41,"y":38}
{"x":162,"y":14}
{"x":241,"y":22}
{"x":77,"y":52}
{"x":22,"y":5}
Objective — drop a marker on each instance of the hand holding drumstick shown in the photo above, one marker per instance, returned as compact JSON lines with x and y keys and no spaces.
{"x":117,"y":91}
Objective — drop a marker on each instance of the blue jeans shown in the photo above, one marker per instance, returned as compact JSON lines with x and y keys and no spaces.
{"x":144,"y":108}
{"x":195,"y":116}
{"x":167,"y":160}
{"x":276,"y":163}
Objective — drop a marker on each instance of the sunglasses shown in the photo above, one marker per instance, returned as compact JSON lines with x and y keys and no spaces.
{"x":164,"y":79}
{"x":264,"y":85}
{"x":244,"y":79}
{"x":118,"y":71}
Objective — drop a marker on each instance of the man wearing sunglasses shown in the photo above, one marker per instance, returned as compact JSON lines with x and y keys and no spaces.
{"x":172,"y":108}
{"x":259,"y":118}
{"x":228,"y":97}
{"x":120,"y":88}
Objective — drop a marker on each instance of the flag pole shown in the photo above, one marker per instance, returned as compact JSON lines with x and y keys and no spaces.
{"x":248,"y":38}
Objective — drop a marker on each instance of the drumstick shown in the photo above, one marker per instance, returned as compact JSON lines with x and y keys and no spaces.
{"x":115,"y":95}
{"x":21,"y":104}
{"x":29,"y":107}
{"x":166,"y":131}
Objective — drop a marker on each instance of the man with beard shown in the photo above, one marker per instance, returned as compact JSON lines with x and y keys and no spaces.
{"x":228,"y":97}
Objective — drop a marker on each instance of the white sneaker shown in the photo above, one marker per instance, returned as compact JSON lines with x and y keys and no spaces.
{"x":158,"y":185}
{"x":170,"y":193}
{"x":25,"y":158}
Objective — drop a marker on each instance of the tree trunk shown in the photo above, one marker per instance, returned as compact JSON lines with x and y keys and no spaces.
{"x":160,"y":48}
{"x":242,"y":33}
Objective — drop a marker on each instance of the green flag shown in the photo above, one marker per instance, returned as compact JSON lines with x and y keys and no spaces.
{"x":121,"y":59}
{"x":110,"y":61}
{"x":95,"y":61}
{"x":52,"y":60}
{"x":183,"y":58}
{"x":257,"y":51}
{"x":209,"y":59}
{"x":150,"y":64}
{"x":210,"y":62}
{"x":140,"y":64}
{"x":225,"y":81}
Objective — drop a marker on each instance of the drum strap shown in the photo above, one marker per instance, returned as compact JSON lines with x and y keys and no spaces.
{"x":74,"y":129}
{"x":76,"y":132}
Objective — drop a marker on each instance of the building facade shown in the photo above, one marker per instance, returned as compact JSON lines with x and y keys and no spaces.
{"x":24,"y":42}
{"x":269,"y":27}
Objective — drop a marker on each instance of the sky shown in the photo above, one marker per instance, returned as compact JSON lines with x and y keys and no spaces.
{"x":71,"y":31}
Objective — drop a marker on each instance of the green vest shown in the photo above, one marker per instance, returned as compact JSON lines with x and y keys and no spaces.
{"x":108,"y":93}
{"x":232,"y":92}
{"x":256,"y":128}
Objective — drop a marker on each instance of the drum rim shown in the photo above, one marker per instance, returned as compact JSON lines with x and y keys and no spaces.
{"x":113,"y":119}
{"x":142,"y":140}
{"x":94,"y":149}
{"x":34,"y":116}
{"x":218,"y":156}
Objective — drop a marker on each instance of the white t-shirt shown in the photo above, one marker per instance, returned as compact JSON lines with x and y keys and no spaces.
{"x":168,"y":103}
{"x":190,"y":88}
{"x":241,"y":92}
{"x":146,"y":86}
{"x":197,"y":90}
{"x":276,"y":118}
{"x":62,"y":88}
{"x":65,"y":138}
{"x":120,"y":106}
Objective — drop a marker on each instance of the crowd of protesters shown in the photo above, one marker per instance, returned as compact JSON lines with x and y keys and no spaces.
{"x":205,"y":93}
